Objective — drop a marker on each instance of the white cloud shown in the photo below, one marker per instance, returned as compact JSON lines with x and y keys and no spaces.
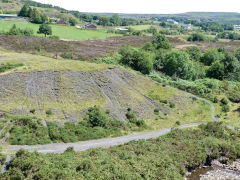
{"x":148,"y":6}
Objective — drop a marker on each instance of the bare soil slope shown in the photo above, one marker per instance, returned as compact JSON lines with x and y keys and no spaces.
{"x":68,"y":88}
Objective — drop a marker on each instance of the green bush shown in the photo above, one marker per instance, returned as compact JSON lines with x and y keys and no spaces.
{"x":8,"y":66}
{"x":49,"y":112}
{"x":67,"y":55}
{"x":225,"y":108}
{"x":95,"y":117}
{"x":32,"y":111}
{"x":70,"y":149}
{"x":196,"y":37}
{"x":216,"y":71}
{"x":224,"y":101}
{"x":2,"y":159}
{"x":163,"y":101}
{"x":210,"y":56}
{"x":54,"y":37}
{"x":161,"y":42}
{"x":177,"y":63}
{"x":172,"y":105}
{"x":194,"y":52}
{"x":20,"y":32}
{"x":136,"y":59}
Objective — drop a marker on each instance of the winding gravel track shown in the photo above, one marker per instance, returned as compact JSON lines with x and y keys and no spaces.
{"x":103,"y":143}
{"x":107,"y":142}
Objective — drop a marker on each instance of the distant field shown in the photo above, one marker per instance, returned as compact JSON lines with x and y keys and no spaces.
{"x":143,"y":27}
{"x":64,"y":32}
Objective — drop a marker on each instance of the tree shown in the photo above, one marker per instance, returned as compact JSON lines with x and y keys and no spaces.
{"x":1,"y":11}
{"x":115,"y":20}
{"x":194,"y":52}
{"x":177,"y":63}
{"x":45,"y":29}
{"x":159,"y":60}
{"x":237,"y":54}
{"x":103,"y":21}
{"x":24,"y":11}
{"x":37,"y":17}
{"x":136,"y":59}
{"x":231,"y":63}
{"x":72,"y":21}
{"x":216,"y":70}
{"x":196,"y":37}
{"x":161,"y":41}
{"x":95,"y":117}
{"x":210,"y":56}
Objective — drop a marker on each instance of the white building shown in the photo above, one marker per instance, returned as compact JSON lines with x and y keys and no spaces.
{"x":236,"y":27}
{"x":121,"y":29}
{"x":187,"y":26}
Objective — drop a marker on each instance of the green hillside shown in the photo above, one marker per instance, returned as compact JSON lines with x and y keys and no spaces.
{"x":63,"y":32}
{"x":70,"y":87}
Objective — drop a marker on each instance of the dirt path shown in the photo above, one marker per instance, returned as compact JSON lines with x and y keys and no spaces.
{"x":214,"y":118}
{"x":3,"y":129}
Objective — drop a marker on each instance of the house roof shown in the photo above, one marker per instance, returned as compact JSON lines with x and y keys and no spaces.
{"x":90,"y":24}
{"x":8,"y":15}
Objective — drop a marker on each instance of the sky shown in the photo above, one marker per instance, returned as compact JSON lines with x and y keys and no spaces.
{"x":147,"y":6}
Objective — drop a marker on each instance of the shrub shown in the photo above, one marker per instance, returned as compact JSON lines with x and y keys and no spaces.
{"x":216,"y":71}
{"x":49,"y":112}
{"x":140,"y":123}
{"x":196,"y":37}
{"x":161,"y":41}
{"x":108,"y":60}
{"x":2,"y":159}
{"x":178,"y":123}
{"x":224,"y":101}
{"x":8,"y":66}
{"x":45,"y":29}
{"x":215,"y":100}
{"x":163,"y":101}
{"x":159,"y":60}
{"x":95,"y":117}
{"x":225,"y":108}
{"x":67,"y":55}
{"x":54,"y":37}
{"x":177,"y":63}
{"x":70,"y":149}
{"x":32,"y":111}
{"x":136,"y":59}
{"x":172,"y":104}
{"x":210,"y":56}
{"x":194,"y":52}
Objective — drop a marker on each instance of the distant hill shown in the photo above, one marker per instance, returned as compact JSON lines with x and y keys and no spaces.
{"x":226,"y":17}
{"x":13,"y":6}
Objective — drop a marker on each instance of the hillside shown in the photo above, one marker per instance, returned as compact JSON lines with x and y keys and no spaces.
{"x":14,"y":6}
{"x":68,"y":88}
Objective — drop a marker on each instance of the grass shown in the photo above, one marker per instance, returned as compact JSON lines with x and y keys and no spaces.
{"x":40,"y":63}
{"x":143,"y":27}
{"x":64,"y":32}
